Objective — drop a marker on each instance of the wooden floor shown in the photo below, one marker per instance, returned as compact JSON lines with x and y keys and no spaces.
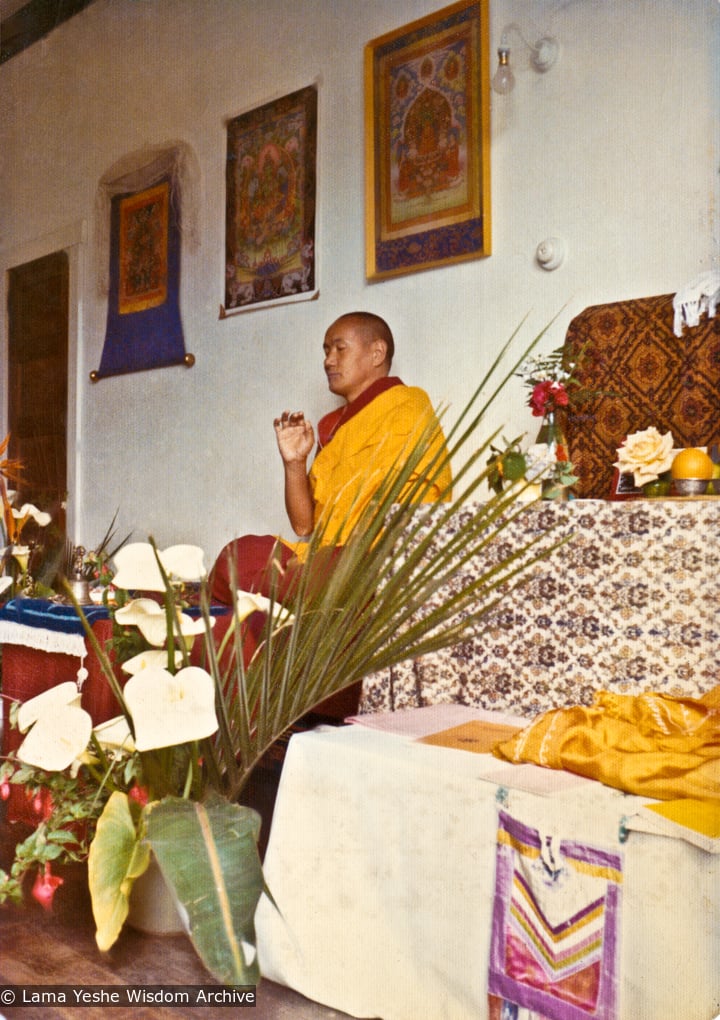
{"x":59,"y":949}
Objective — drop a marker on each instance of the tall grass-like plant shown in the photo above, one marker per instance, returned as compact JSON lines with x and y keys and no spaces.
{"x":376,"y":607}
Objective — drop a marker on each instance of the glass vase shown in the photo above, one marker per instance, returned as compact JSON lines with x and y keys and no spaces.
{"x":552,"y":435}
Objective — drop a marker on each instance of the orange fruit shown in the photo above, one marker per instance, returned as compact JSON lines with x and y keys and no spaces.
{"x":692,"y":463}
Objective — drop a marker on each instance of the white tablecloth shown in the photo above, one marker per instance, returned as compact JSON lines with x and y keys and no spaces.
{"x":381,"y":862}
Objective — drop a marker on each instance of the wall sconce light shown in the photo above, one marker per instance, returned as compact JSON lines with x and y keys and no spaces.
{"x":543,"y":55}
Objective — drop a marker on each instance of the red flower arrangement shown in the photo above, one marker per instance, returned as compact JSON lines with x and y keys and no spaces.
{"x":552,"y":381}
{"x":548,"y":396}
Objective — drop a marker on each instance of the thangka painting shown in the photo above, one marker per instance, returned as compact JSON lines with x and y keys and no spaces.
{"x":428,"y":133}
{"x":144,"y":329}
{"x":270,"y":213}
{"x":144,"y":249}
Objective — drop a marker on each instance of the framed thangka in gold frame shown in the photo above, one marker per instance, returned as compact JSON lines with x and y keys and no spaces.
{"x":270,"y":204}
{"x":427,"y":142}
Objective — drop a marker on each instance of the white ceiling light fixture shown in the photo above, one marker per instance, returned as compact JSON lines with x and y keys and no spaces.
{"x":543,"y":55}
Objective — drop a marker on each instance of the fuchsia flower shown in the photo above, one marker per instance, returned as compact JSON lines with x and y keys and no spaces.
{"x":43,"y":804}
{"x":547,"y":396}
{"x":139,"y":794}
{"x":45,"y":886}
{"x":4,"y":790}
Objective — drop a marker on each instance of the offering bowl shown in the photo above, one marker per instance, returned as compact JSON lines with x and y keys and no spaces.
{"x":690,"y":486}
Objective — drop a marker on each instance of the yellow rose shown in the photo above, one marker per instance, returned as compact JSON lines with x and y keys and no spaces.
{"x":645,"y":455}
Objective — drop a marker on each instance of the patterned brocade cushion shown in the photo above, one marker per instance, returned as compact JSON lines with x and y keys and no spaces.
{"x":647,"y":376}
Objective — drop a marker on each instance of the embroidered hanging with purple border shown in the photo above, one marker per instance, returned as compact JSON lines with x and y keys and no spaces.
{"x":555,"y":929}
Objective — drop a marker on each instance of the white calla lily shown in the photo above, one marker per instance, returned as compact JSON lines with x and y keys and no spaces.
{"x":148,"y":616}
{"x":115,"y":735}
{"x":184,"y":562}
{"x":57,"y":738}
{"x":169,"y":709}
{"x":28,"y":510}
{"x":247,"y":602}
{"x":150,"y":619}
{"x":136,"y":567}
{"x":191,"y":626}
{"x":47,"y":703}
{"x":21,"y":555}
{"x":5,"y":583}
{"x":152,"y":658}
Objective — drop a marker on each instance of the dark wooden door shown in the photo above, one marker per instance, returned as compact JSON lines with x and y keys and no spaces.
{"x":38,"y":380}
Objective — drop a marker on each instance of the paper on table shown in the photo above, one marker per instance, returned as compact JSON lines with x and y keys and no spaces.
{"x":421,"y":722}
{"x":481,"y":735}
{"x":477,"y":735}
{"x":695,"y":821}
{"x":417,"y":723}
{"x":538,"y":780}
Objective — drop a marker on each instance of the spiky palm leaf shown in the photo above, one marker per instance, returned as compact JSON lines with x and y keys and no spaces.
{"x":395,"y":592}
{"x":375,"y":608}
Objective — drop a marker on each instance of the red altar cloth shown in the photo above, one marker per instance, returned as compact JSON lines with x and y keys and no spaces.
{"x":29,"y":671}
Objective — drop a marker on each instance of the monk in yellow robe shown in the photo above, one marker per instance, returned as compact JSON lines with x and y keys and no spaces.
{"x":358,"y":446}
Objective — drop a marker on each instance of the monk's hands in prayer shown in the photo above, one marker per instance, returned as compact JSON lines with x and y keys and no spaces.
{"x":295,"y":437}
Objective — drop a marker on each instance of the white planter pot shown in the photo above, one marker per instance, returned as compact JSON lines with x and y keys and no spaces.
{"x":152,"y":906}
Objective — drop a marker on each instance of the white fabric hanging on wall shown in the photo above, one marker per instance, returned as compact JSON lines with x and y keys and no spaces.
{"x":700,"y":296}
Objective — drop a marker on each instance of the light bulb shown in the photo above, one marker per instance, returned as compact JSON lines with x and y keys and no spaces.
{"x":503,"y":79}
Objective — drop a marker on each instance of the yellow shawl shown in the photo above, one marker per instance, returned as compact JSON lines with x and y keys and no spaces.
{"x":649,"y":744}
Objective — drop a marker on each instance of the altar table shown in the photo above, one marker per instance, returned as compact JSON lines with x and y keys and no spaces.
{"x":629,"y":604}
{"x":44,"y":644}
{"x":381,"y":861}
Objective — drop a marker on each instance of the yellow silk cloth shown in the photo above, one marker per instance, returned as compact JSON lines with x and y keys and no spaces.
{"x":649,"y":744}
{"x":347,"y":472}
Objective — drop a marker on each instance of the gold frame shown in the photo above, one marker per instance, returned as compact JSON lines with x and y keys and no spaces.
{"x":428,"y":195}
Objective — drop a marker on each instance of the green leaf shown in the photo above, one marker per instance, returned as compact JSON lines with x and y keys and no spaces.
{"x":208,"y":855}
{"x":117,"y":857}
{"x":61,"y":836}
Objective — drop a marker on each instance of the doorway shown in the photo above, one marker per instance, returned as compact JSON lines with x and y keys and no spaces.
{"x":38,"y":328}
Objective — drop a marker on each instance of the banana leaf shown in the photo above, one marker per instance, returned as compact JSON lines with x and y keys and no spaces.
{"x":207,"y":853}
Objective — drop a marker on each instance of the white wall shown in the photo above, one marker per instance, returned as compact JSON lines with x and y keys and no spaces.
{"x":615,"y":150}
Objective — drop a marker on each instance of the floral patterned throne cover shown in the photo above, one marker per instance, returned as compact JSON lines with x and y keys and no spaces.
{"x":628,"y":604}
{"x":642,"y":375}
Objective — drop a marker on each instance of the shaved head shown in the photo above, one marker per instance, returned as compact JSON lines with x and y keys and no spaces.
{"x":371,"y":327}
